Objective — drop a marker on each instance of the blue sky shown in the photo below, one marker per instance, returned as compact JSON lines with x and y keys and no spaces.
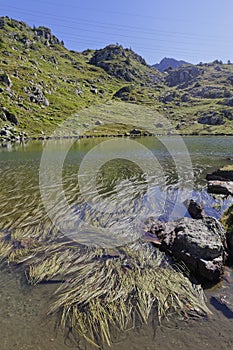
{"x":195,"y":31}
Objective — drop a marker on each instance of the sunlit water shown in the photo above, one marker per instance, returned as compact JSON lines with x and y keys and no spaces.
{"x":109,"y":208}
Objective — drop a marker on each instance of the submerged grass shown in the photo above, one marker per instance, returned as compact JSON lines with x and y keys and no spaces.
{"x":103,"y":290}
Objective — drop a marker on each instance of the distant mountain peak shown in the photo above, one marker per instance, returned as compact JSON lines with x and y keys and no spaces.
{"x":166,"y":63}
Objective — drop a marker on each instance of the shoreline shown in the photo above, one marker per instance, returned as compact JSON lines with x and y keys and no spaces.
{"x":4,"y":142}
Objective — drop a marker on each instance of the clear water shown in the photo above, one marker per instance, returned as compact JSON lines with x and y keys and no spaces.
{"x":129,"y":186}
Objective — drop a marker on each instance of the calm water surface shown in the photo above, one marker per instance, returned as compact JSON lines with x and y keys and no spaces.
{"x":126,"y":193}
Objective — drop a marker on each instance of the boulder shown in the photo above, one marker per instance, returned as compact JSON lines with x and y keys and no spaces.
{"x":99,"y":122}
{"x":37,"y":96}
{"x":123,"y":93}
{"x":135,"y":132}
{"x":200,"y":244}
{"x":211,"y":119}
{"x":195,"y":209}
{"x":11,"y":117}
{"x":220,"y":187}
{"x":5,"y":79}
{"x":221,"y":175}
{"x":94,"y":90}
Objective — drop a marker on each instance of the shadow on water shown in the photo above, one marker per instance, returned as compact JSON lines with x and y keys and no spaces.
{"x":219,"y":304}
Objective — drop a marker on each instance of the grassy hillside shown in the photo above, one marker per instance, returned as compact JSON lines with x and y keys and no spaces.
{"x":42,"y":84}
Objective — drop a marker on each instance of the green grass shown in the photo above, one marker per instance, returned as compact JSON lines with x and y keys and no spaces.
{"x":27,"y":66}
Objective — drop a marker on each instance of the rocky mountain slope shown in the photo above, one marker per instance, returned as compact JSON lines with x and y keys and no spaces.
{"x":167,"y":63}
{"x":111,"y":90}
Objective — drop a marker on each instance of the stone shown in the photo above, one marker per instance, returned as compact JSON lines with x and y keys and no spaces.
{"x":94,"y":91}
{"x":185,"y":98}
{"x":183,"y":75}
{"x":200,"y":244}
{"x":221,"y":175}
{"x":211,"y":120}
{"x":37,"y":96}
{"x":11,"y":117}
{"x":220,"y":187}
{"x":99,"y":122}
{"x":135,"y":132}
{"x":45,"y":34}
{"x":228,"y":102}
{"x":123,"y":93}
{"x":195,"y":209}
{"x":5,"y":79}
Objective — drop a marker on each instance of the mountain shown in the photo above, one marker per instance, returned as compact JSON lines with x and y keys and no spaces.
{"x":166,"y":63}
{"x":111,"y":90}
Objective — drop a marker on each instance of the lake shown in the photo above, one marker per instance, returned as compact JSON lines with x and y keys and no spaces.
{"x":99,"y":192}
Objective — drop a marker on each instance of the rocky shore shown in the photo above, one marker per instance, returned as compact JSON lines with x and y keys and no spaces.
{"x":203,"y":243}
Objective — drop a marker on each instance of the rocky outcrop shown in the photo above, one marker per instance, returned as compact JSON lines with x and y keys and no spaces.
{"x":212,"y":118}
{"x":200,"y":244}
{"x":210,"y":92}
{"x":36,"y":95}
{"x":46,"y":35}
{"x":124,"y":64}
{"x":183,"y":75}
{"x":9,"y":116}
{"x":166,"y":63}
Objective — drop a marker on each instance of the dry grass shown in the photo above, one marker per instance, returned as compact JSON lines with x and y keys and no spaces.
{"x":109,"y":289}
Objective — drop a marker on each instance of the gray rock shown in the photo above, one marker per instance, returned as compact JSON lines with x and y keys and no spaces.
{"x":94,"y":91}
{"x":99,"y":122}
{"x":185,"y":98}
{"x":123,"y":93}
{"x":211,"y":120}
{"x":45,"y":34}
{"x":200,"y":244}
{"x":184,"y":74}
{"x":221,"y":175}
{"x":220,"y":187}
{"x":228,"y":102}
{"x":168,"y":97}
{"x":195,"y":209}
{"x":37,"y":96}
{"x":5,"y":79}
{"x":11,"y":117}
{"x":78,"y":92}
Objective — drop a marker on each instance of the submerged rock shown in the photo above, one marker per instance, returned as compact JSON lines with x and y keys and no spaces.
{"x":200,"y":244}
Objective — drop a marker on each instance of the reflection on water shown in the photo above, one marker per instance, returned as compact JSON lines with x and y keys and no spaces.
{"x":123,"y":202}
